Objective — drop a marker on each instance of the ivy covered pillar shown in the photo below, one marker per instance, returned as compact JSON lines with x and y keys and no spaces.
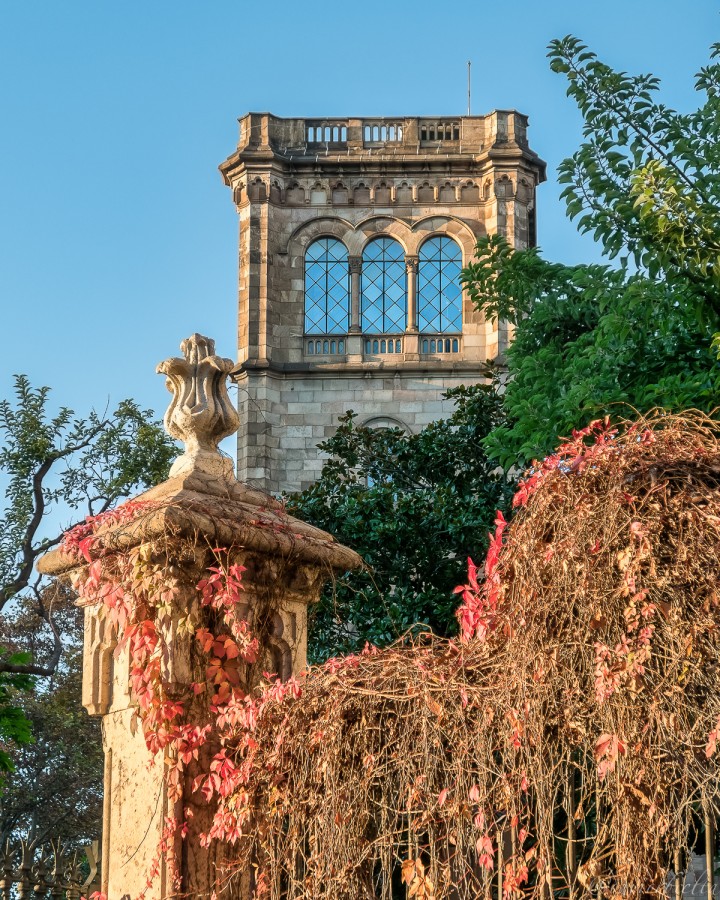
{"x":193,"y":592}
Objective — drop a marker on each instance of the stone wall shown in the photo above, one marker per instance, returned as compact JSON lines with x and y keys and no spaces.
{"x":290,"y":415}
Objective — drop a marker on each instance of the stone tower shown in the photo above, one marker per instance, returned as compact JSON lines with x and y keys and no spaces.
{"x":352,"y":236}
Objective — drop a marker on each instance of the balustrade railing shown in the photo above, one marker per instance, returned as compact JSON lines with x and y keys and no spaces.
{"x":376,"y":132}
{"x":435,"y":344}
{"x":382,"y":132}
{"x":326,"y":132}
{"x":445,"y":130}
{"x":325,"y":345}
{"x":382,"y":344}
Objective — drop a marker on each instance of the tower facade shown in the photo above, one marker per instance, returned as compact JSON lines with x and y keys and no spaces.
{"x":353,"y":233}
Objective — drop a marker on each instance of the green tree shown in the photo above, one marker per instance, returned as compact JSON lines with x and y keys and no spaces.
{"x":414,"y":506}
{"x":56,"y":470}
{"x":54,"y":787}
{"x":592,"y":340}
{"x":60,"y":468}
{"x":646,"y":179}
{"x":589,"y":341}
{"x":15,"y":728}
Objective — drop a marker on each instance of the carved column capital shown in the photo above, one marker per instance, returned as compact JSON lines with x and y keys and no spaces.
{"x":355,"y":264}
{"x":411,"y":264}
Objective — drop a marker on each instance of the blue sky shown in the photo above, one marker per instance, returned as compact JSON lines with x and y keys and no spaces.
{"x":117,"y":236}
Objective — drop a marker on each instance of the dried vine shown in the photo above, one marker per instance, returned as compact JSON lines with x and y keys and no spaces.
{"x":583,"y":697}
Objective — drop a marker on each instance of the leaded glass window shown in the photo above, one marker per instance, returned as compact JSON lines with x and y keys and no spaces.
{"x":384,"y":306}
{"x":438,"y":286}
{"x":327,"y":293}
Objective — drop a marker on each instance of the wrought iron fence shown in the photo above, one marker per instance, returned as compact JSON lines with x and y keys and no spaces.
{"x":693,"y":860}
{"x":48,"y":871}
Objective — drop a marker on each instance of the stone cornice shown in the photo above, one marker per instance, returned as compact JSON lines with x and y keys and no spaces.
{"x":340,"y":369}
{"x":383,"y":166}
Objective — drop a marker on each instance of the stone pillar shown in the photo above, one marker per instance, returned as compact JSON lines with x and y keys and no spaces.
{"x":355,"y":333}
{"x":355,"y":263}
{"x":176,"y":525}
{"x":411,"y":339}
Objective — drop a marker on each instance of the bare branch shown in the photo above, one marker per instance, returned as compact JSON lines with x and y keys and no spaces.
{"x":28,"y":552}
{"x":44,"y":669}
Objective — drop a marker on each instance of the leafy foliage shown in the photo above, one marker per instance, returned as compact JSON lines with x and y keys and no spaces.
{"x":581,"y":703}
{"x":646,"y":181}
{"x":594,"y":340}
{"x":589,"y":341}
{"x":60,"y":768}
{"x":414,"y":506}
{"x":15,"y":728}
{"x":58,"y":465}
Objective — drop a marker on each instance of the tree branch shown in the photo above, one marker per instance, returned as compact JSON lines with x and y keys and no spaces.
{"x":51,"y":665}
{"x":28,"y":553}
{"x":26,"y":669}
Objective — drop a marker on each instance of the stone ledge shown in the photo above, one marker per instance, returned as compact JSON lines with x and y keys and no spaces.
{"x":482,"y":368}
{"x":223,"y":512}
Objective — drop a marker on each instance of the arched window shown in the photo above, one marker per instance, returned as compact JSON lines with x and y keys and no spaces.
{"x":384,"y":305}
{"x":327,"y":296}
{"x":439,"y":292}
{"x":385,"y":422}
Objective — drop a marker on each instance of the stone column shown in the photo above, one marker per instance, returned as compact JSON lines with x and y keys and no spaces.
{"x":176,"y":526}
{"x":355,"y":332}
{"x":411,"y":339}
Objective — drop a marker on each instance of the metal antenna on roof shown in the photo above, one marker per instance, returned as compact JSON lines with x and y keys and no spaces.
{"x":469,"y":65}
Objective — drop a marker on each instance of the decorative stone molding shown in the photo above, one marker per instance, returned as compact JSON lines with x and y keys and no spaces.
{"x":201,"y":413}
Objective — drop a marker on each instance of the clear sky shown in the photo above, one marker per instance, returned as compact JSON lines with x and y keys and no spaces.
{"x":117,"y":236}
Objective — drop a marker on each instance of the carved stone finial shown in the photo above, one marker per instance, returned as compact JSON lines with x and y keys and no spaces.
{"x":201,"y":413}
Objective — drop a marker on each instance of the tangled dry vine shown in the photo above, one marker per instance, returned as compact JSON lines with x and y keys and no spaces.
{"x":583,"y":699}
{"x":567,"y":739}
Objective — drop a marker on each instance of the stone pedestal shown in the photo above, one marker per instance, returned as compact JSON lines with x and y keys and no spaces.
{"x":283,"y":557}
{"x":178,"y":525}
